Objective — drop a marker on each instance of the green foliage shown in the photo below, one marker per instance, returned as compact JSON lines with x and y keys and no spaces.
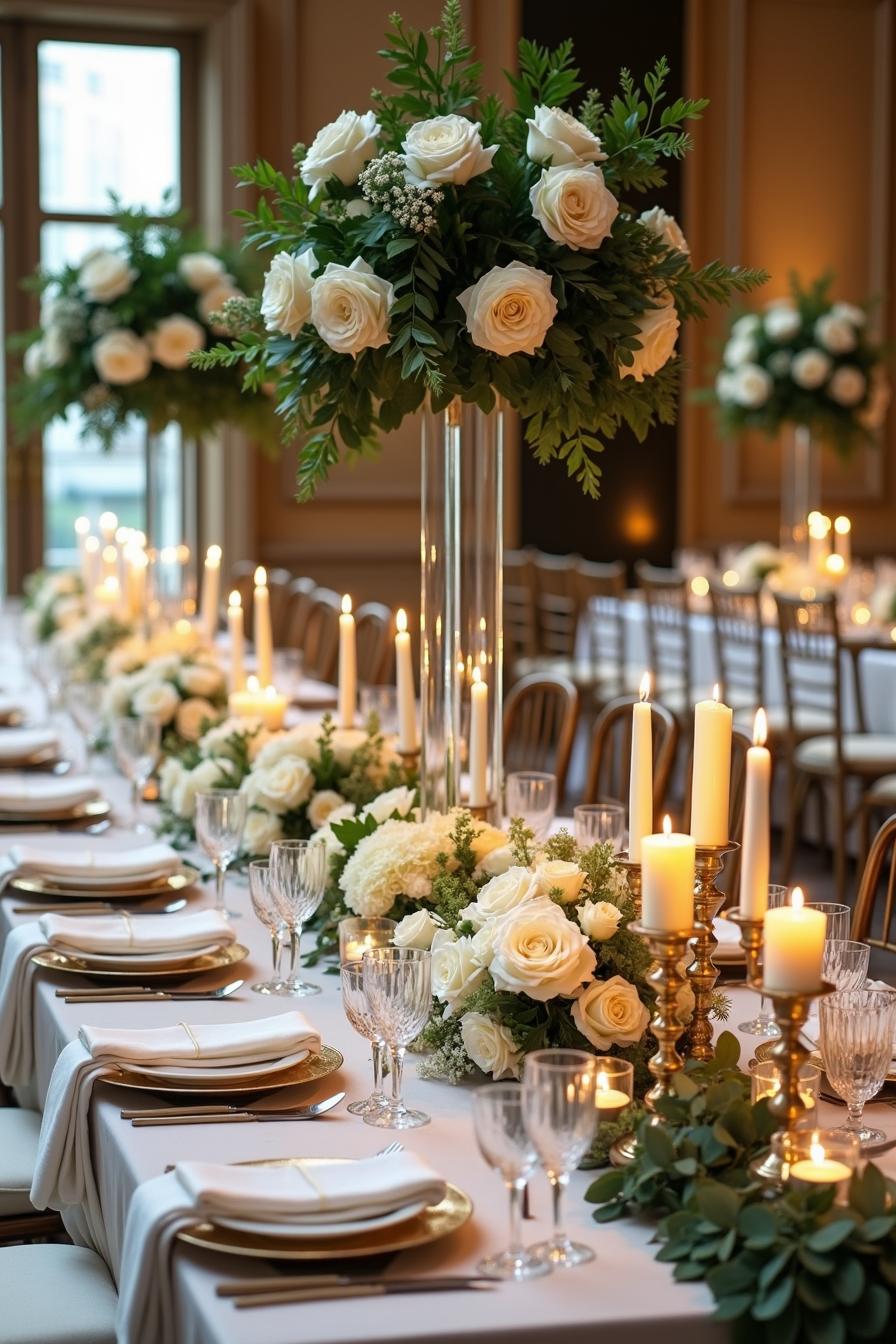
{"x":562,"y":846}
{"x":522,"y":841}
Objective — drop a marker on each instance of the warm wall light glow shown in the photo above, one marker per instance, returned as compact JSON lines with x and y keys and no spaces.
{"x":667,"y":825}
{"x":797,"y":899}
{"x":861,"y":614}
{"x":213,"y":556}
{"x":760,"y":728}
{"x":644,"y":688}
{"x":401,"y":620}
{"x":261,"y":577}
{"x":731,"y":578}
{"x":638,"y":524}
{"x":346,"y":605}
{"x":235,"y":599}
{"x":842,"y":525}
{"x":699,"y":586}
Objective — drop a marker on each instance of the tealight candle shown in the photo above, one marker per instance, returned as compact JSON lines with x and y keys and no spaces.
{"x":478,"y":740}
{"x":258,"y":702}
{"x":640,"y":788}
{"x":667,"y":880}
{"x":359,"y":933}
{"x":819,"y":1168}
{"x":793,"y":947}
{"x":348,"y":665}
{"x":264,"y":639}
{"x":235,"y":629}
{"x":756,"y":839}
{"x":404,"y":684}
{"x":610,"y":1101}
{"x":712,"y":771}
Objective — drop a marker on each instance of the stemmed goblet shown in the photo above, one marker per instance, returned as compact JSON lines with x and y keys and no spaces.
{"x":265,"y":908}
{"x":763,"y":1024}
{"x":507,"y":1148}
{"x":858,"y":1027}
{"x":220,"y":818}
{"x":137,"y":744}
{"x":398,"y":986}
{"x":357,"y":1010}
{"x":298,"y":881}
{"x":83,"y":701}
{"x":599,"y":823}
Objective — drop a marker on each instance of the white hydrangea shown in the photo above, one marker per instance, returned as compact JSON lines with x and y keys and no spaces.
{"x":398,"y":859}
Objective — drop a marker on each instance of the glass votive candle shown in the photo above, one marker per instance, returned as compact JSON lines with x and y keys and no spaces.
{"x":359,"y":934}
{"x":614,"y":1087}
{"x":766,"y":1082}
{"x":813,"y":1157}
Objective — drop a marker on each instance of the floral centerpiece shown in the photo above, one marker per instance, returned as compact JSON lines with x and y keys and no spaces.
{"x":52,"y":602}
{"x":443,"y":244}
{"x":186,"y":693}
{"x":83,"y":646}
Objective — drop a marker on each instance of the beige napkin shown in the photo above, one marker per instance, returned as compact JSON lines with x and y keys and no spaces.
{"x":16,"y":743}
{"x":128,"y":935}
{"x":94,"y":866}
{"x":34,"y":794}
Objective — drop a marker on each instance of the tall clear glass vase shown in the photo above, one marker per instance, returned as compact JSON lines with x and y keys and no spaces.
{"x":800,"y":487}
{"x":461,"y":587}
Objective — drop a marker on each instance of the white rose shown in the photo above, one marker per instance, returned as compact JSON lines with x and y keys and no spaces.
{"x":725,"y":385}
{"x":213,"y":299}
{"x":747,"y":324}
{"x":835,"y":334}
{"x":609,"y":1012}
{"x":810,"y":368}
{"x":558,"y":873}
{"x":847,"y":385}
{"x":441,"y":937}
{"x":559,"y":136}
{"x":874,"y":413}
{"x":55,"y":348}
{"x":105,"y":276}
{"x":345,"y":742}
{"x":262,"y":828}
{"x":779,"y":362}
{"x":121,"y":357}
{"x":171,"y":772}
{"x":206,"y":775}
{"x":416,"y":930}
{"x":301,"y":741}
{"x":497,"y":861}
{"x":286,"y":296}
{"x":200,"y":270}
{"x":658,"y":333}
{"x":174,"y":339}
{"x":490,"y":1046}
{"x":191,"y":715}
{"x":201,"y":679}
{"x":157,"y":700}
{"x":751,"y":386}
{"x":781,"y":321}
{"x":599,"y":919}
{"x":509,"y":308}
{"x":665,"y":227}
{"x":848,"y":312}
{"x":740,"y":350}
{"x":487,"y":838}
{"x":400,"y":800}
{"x":322,"y":805}
{"x":574,"y":206}
{"x":117,"y":698}
{"x":455,"y":972}
{"x":539,"y":952}
{"x":446,"y":149}
{"x":503,"y":894}
{"x":281,"y":787}
{"x":33,"y":361}
{"x":340,"y":149}
{"x":350,"y":307}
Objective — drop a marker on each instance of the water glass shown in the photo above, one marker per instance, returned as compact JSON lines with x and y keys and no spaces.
{"x":858,"y":1028}
{"x":265,"y":908}
{"x":383,"y":702}
{"x":298,"y":881}
{"x":507,"y":1148}
{"x":358,"y":934}
{"x":83,"y":700}
{"x":560,"y":1115}
{"x":357,"y":1010}
{"x":763,"y":1024}
{"x":398,"y":985}
{"x":532,"y":795}
{"x":287,"y":666}
{"x":845,"y":963}
{"x":220,"y":818}
{"x":838,"y":917}
{"x":137,"y":744}
{"x":599,"y":824}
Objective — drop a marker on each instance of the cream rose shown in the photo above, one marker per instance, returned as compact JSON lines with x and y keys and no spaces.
{"x":781,"y":321}
{"x":192,"y":715}
{"x":837,"y":334}
{"x":849,"y":312}
{"x":847,"y":385}
{"x":599,"y":920}
{"x":497,"y":861}
{"x":665,"y":227}
{"x":121,"y":357}
{"x":747,"y":324}
{"x":539,"y":952}
{"x":509,"y":308}
{"x":416,"y":930}
{"x":741,"y":350}
{"x":262,"y":828}
{"x":326,"y":835}
{"x":174,"y":339}
{"x":560,"y":137}
{"x":401,"y":801}
{"x":810,"y":368}
{"x":350,"y":307}
{"x":200,"y":270}
{"x":301,"y":741}
{"x":207,"y":775}
{"x":280,"y":787}
{"x":157,"y":700}
{"x":286,"y":296}
{"x":490,"y":1046}
{"x":456,"y":972}
{"x":340,"y":149}
{"x":609,"y":1012}
{"x":751,"y":386}
{"x":322,"y":805}
{"x":658,"y":333}
{"x":574,"y":206}
{"x":486,"y":839}
{"x":446,"y":149}
{"x":558,"y":874}
{"x":501,"y":895}
{"x":201,"y":679}
{"x":105,"y":276}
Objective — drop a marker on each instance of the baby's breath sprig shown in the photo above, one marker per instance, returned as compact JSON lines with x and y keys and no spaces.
{"x":385,"y":184}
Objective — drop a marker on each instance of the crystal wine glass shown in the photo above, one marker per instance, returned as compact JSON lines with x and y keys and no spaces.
{"x":398,"y":985}
{"x":532,"y":795}
{"x":560,"y":1114}
{"x":763,"y":1024}
{"x":838,"y":917}
{"x":83,"y":700}
{"x":220,"y":818}
{"x":298,"y":881}
{"x":858,"y":1027}
{"x":599,"y":824}
{"x":507,"y":1148}
{"x":265,"y":908}
{"x":137,"y":744}
{"x":357,"y":1010}
{"x":845,"y":963}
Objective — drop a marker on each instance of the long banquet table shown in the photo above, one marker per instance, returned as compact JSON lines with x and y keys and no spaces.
{"x":625,"y":1295}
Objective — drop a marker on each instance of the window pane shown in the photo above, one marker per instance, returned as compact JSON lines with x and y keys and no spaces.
{"x":80,"y":478}
{"x":66,"y":244}
{"x":109,"y":118}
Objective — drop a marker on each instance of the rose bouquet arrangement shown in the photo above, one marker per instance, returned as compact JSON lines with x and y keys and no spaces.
{"x":52,"y":602}
{"x":116,"y":333}
{"x":443,"y":244}
{"x":185,"y":693}
{"x":808,"y":361}
{"x":759,"y":561}
{"x":82,"y":646}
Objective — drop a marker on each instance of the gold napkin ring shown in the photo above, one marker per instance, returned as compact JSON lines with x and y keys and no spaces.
{"x":193,"y":1040}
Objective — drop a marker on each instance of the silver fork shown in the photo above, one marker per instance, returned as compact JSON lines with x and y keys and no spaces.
{"x":390,"y":1149}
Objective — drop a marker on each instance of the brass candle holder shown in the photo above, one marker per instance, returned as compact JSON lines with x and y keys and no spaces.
{"x":751,"y":942}
{"x":702,"y":972}
{"x":668,"y":948}
{"x":789,"y":1054}
{"x":633,"y":878}
{"x":481,"y":811}
{"x":410,"y":761}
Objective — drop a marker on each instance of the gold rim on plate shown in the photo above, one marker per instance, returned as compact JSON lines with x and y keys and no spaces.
{"x":71,"y":964}
{"x":179,"y":881}
{"x":764,"y":1049}
{"x":435,"y":1222}
{"x":309,"y":1070}
{"x":91,"y":809}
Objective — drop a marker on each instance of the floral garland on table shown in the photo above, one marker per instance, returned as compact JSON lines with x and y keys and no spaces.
{"x":83,"y":647}
{"x":52,"y":602}
{"x":806,"y":361}
{"x":187,"y":694}
{"x":443,"y":244}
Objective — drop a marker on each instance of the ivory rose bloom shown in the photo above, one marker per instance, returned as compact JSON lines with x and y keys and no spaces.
{"x":191,"y":715}
{"x":658,"y":333}
{"x":260,"y":831}
{"x":486,"y":839}
{"x":599,"y":919}
{"x":782,"y":320}
{"x":497,"y":861}
{"x":810,"y":368}
{"x":206,"y":775}
{"x":201,"y":679}
{"x":157,"y":700}
{"x":456,"y":972}
{"x":322,"y":805}
{"x":105,"y":276}
{"x":510,"y":308}
{"x":286,"y":296}
{"x":174,"y":339}
{"x":340,"y":149}
{"x":400,"y":800}
{"x":574,"y":205}
{"x":557,"y":874}
{"x":501,"y":895}
{"x":280,"y":787}
{"x":560,"y":137}
{"x":350,"y":307}
{"x":539,"y":952}
{"x":750,"y":386}
{"x":416,"y":930}
{"x":446,"y":149}
{"x":609,"y":1012}
{"x":490,"y":1046}
{"x":836,"y":334}
{"x":665,"y":227}
{"x":200,"y":270}
{"x":847,"y":385}
{"x":121,"y":357}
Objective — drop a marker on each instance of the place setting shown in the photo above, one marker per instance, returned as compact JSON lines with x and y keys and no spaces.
{"x":31,"y":749}
{"x":55,"y":875}
{"x":58,"y":802}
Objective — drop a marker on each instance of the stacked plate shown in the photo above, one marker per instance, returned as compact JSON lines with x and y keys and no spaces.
{"x":139,"y":947}
{"x":39,"y":800}
{"x":53,"y":873}
{"x":28,"y":748}
{"x":11,"y":713}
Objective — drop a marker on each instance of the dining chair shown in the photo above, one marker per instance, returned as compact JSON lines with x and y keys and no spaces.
{"x":540,"y":717}
{"x":668,"y":615}
{"x":373,"y":635}
{"x":609,"y":764}
{"x":56,"y":1294}
{"x":600,"y":591}
{"x":298,"y":606}
{"x":556,"y":604}
{"x":19,"y":1219}
{"x":320,"y":642}
{"x":520,"y":635}
{"x":881,"y":854}
{"x":279,"y":581}
{"x":729,"y":882}
{"x":739,"y":646}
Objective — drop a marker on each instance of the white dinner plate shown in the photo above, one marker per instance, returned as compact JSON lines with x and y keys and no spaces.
{"x":234,"y":1072}
{"x":89,"y":881}
{"x":132,"y":961}
{"x":311,"y":1228}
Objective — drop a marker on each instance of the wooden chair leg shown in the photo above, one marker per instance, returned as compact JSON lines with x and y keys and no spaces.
{"x":797,"y":788}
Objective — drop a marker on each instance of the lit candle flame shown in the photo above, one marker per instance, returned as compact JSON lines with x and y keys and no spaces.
{"x":346,"y":605}
{"x":842,"y":525}
{"x":667,"y":825}
{"x":816,"y":1152}
{"x":760,"y":728}
{"x":235,"y":599}
{"x":401,"y":620}
{"x":270,"y":692}
{"x":603,"y":1082}
{"x":261,"y":577}
{"x":644,"y":689}
{"x":110,"y":584}
{"x":477,"y":675}
{"x":715,"y":692}
{"x":108,"y":521}
{"x":253,"y":685}
{"x":814,"y":518}
{"x":797,"y":899}
{"x":213,"y":556}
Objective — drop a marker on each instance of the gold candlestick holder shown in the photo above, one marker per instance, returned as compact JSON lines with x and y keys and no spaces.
{"x":750,"y":941}
{"x":481,"y":811}
{"x":702,"y":972}
{"x":633,"y":878}
{"x":789,"y":1054}
{"x":410,"y":761}
{"x":668,"y":948}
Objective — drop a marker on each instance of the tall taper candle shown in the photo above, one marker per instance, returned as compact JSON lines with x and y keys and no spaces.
{"x":712,"y":772}
{"x":261,"y":617}
{"x":843,"y":539}
{"x":640,"y":787}
{"x":348,"y":665}
{"x":235,"y":628}
{"x":404,"y":684}
{"x":478,"y":740}
{"x":667,"y":881}
{"x":754,"y":877}
{"x":211,"y":593}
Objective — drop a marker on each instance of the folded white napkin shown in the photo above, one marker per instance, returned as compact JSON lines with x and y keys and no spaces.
{"x":726,"y":932}
{"x":16,"y":743}
{"x":130,"y":935}
{"x":17,"y":1004}
{"x":133,"y":864}
{"x":8,"y":705}
{"x":33,"y":794}
{"x":196,"y":1189}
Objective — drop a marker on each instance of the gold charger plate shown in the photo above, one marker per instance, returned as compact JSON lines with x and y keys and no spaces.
{"x":92,"y":809}
{"x":435,"y":1222}
{"x":309,"y":1070}
{"x":35,"y":760}
{"x":208,"y":961}
{"x":763,"y":1052}
{"x":178,"y":881}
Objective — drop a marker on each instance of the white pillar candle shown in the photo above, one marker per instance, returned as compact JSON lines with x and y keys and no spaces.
{"x":712,"y":771}
{"x":211,"y":581}
{"x":793,"y":947}
{"x":478,"y":740}
{"x":667,"y":880}
{"x":404,"y":685}
{"x":108,"y":527}
{"x":235,"y":630}
{"x":843,"y":539}
{"x":640,"y":787}
{"x":348,"y":665}
{"x":754,"y":877}
{"x":263,"y":636}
